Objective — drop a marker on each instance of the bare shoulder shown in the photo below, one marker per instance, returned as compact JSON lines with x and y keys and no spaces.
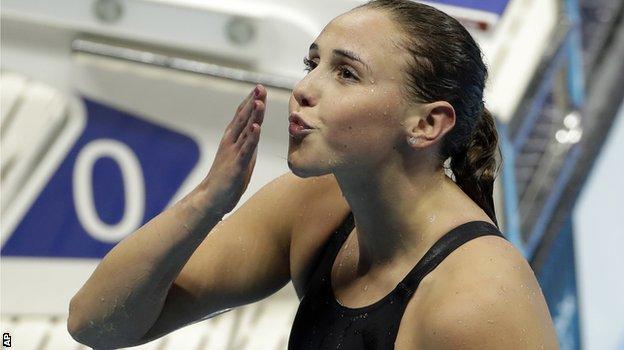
{"x":485,"y":295}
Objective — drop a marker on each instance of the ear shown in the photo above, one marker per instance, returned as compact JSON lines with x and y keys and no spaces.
{"x":430,"y":123}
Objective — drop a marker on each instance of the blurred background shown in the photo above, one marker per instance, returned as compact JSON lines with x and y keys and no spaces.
{"x":111,"y":111}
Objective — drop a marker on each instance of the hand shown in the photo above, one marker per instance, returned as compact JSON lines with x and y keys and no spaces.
{"x":234,"y":162}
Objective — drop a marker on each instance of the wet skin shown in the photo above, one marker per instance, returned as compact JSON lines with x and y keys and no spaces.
{"x":362,"y":120}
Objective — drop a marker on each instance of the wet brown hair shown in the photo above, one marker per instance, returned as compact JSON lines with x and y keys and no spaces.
{"x":448,"y":65}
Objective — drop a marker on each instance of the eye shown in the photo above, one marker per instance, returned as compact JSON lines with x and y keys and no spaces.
{"x":346,"y":73}
{"x":309,"y":64}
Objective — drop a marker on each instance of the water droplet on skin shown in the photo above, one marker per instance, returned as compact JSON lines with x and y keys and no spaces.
{"x":432,"y":218}
{"x":372,"y":90}
{"x":490,"y":322}
{"x":366,"y":287}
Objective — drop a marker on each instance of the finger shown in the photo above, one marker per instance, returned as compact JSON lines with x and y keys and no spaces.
{"x":250,"y":165}
{"x":233,"y":128}
{"x":250,"y":144}
{"x":262,"y":93}
{"x":245,"y":100}
{"x":242,"y":116}
{"x":254,"y":156}
{"x":258,"y":94}
{"x":250,"y":139}
{"x":257,"y":115}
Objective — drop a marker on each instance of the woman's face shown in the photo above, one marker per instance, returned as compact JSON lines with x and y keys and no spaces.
{"x":352,"y":97}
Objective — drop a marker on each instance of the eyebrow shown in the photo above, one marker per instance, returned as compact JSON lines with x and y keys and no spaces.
{"x":344,"y":53}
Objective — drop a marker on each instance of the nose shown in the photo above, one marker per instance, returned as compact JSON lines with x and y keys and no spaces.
{"x":303,"y":93}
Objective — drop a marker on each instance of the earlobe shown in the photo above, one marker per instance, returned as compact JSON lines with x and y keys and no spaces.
{"x":417,"y":131}
{"x":417,"y":141}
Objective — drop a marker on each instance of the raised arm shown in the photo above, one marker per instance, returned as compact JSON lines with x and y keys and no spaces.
{"x":187,"y":263}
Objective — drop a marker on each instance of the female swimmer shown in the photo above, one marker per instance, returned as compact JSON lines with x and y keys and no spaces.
{"x":384,"y":249}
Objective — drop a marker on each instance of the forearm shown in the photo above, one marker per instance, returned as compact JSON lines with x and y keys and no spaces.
{"x":125,"y":294}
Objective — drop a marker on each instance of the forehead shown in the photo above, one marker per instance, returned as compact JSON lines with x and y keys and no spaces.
{"x":369,"y":33}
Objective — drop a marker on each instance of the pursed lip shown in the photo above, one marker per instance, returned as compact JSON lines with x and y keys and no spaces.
{"x":295,"y":118}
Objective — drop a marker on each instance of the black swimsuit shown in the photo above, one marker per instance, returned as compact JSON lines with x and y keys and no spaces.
{"x":323,"y":323}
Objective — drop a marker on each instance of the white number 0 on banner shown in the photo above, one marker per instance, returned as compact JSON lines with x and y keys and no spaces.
{"x":133,"y":184}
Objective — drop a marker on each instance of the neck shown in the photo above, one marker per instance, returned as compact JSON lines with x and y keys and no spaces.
{"x":394,"y":213}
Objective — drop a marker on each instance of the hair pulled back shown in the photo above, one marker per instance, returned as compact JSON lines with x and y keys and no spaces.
{"x":447,"y":65}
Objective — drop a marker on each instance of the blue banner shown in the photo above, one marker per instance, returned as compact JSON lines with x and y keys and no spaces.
{"x":492,"y":6}
{"x":121,"y":172}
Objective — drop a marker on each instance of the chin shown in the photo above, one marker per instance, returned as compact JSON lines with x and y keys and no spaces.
{"x":302,"y":171}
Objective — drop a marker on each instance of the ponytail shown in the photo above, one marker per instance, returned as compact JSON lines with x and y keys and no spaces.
{"x":475,"y":166}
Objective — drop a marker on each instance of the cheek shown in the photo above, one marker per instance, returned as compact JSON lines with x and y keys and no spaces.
{"x":359,"y":128}
{"x":367,"y":119}
{"x":345,"y":119}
